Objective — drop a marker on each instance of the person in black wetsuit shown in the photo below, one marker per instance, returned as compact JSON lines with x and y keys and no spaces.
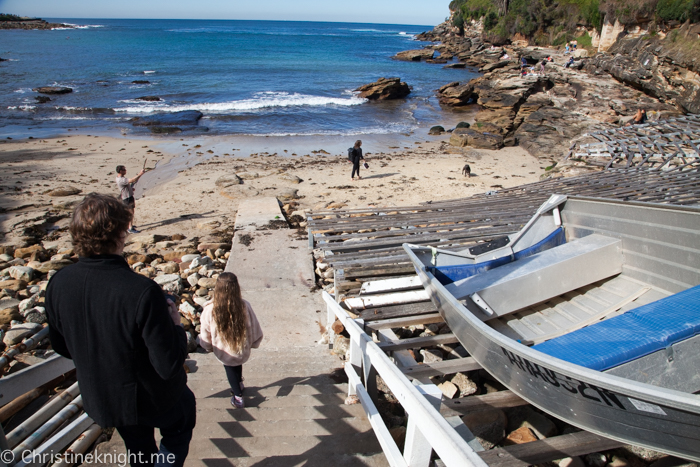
{"x":356,"y":158}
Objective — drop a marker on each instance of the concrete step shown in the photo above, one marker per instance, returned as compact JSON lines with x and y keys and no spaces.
{"x":286,"y":401}
{"x":305,"y":460}
{"x":276,"y":428}
{"x":220,"y":388}
{"x":357,"y":443}
{"x":226,"y":412}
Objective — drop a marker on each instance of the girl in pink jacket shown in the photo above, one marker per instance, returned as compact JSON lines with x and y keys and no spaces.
{"x":230,"y":329}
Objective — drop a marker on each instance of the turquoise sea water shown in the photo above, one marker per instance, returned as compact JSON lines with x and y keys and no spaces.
{"x":246,"y":77}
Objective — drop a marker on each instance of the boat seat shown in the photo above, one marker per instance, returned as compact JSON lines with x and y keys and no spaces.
{"x":540,"y":277}
{"x":449,"y":274}
{"x":632,"y":335}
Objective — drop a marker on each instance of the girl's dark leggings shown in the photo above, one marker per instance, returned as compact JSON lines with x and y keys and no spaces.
{"x":355,"y":168}
{"x":235,"y":375}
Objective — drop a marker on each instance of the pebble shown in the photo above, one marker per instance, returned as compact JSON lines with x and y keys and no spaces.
{"x":201,"y":301}
{"x":201,"y":261}
{"x":189,"y":258}
{"x":27,"y":304}
{"x":207,"y":282}
{"x":448,"y":389}
{"x":171,"y":283}
{"x":192,"y":279}
{"x":466,"y":386}
{"x":431,"y":356}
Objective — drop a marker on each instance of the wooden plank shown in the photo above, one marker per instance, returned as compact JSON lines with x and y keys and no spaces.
{"x":391,"y":285}
{"x":398,"y":311}
{"x":469,"y":404}
{"x":545,"y":450}
{"x":445,"y":367}
{"x":374,"y":301}
{"x":16,"y":384}
{"x":403,"y":322}
{"x":418,"y":342}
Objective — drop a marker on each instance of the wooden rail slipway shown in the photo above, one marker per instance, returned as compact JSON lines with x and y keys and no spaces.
{"x":359,"y":257}
{"x":673,"y":143}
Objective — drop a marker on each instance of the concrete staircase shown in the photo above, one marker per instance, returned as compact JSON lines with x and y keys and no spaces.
{"x":295,"y":412}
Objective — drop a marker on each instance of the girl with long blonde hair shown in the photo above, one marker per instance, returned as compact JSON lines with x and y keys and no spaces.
{"x":230,"y":329}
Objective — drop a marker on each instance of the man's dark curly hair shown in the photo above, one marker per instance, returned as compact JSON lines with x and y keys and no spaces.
{"x":98,"y":223}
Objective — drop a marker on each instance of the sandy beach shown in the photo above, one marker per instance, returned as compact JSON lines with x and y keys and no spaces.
{"x":42,"y":178}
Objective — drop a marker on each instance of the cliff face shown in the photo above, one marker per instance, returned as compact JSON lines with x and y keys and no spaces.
{"x":665,"y":68}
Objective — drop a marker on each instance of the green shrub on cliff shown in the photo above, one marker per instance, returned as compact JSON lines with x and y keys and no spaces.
{"x":678,"y":10}
{"x":8,"y":17}
{"x":554,"y":21}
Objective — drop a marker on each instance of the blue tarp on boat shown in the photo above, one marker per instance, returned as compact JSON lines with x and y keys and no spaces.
{"x":449,"y":274}
{"x":632,"y":335}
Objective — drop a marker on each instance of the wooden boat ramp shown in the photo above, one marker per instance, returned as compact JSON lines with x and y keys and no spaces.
{"x":371,"y":289}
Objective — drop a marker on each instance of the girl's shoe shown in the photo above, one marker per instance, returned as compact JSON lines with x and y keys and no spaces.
{"x":237,"y":402}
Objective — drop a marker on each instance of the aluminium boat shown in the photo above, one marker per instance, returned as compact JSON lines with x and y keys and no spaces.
{"x":591,"y":312}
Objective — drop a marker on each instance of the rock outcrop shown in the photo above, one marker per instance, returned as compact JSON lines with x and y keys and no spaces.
{"x":168,"y":123}
{"x":415,"y":55}
{"x":53,"y":90}
{"x":33,"y":24}
{"x":384,"y":89}
{"x":667,"y":68}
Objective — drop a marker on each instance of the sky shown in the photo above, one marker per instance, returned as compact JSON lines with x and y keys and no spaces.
{"x":419,"y":12}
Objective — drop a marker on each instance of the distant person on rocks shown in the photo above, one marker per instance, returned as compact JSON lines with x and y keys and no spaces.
{"x":230,"y":329}
{"x":523,"y":63}
{"x":569,"y":62}
{"x":126,"y":192}
{"x":566,"y":51}
{"x":542,"y":64}
{"x":574,"y":44}
{"x":640,"y":117}
{"x":124,"y":337}
{"x":356,"y":158}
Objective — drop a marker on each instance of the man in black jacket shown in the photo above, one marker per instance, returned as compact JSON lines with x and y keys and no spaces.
{"x":124,"y":337}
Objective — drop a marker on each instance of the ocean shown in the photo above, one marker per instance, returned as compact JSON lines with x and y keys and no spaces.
{"x":255,"y":78}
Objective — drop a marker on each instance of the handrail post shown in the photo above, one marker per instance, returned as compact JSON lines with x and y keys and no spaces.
{"x":330,"y":319}
{"x":369,"y":373}
{"x":417,"y":449}
{"x":355,"y":357}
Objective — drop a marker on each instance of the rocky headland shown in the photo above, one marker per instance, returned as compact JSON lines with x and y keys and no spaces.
{"x":31,"y":23}
{"x":545,"y":112}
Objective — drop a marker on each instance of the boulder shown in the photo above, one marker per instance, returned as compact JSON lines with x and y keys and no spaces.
{"x":9,"y":314}
{"x":36,"y":315}
{"x":170,"y":283}
{"x":148,"y":239}
{"x":228,"y":180}
{"x":463,"y":125}
{"x":148,"y":98}
{"x":188,"y":258}
{"x":64,"y":191}
{"x":170,"y":268}
{"x":466,"y":386}
{"x":191,"y":342}
{"x":520,"y":436}
{"x":468,"y":137}
{"x":53,"y":90}
{"x":13,"y":285}
{"x":185,"y":117}
{"x":28,"y":251}
{"x":287,"y":194}
{"x":55,"y":265}
{"x":431,"y":356}
{"x":213,"y":246}
{"x":140,"y":81}
{"x":384,"y":89}
{"x":291,"y":178}
{"x":22,"y":273}
{"x":415,"y":55}
{"x":19,"y":332}
{"x":193,"y":279}
{"x":207,"y":282}
{"x":488,"y":426}
{"x":436,"y":130}
{"x":42,"y":99}
{"x":201,"y":261}
{"x":486,"y":127}
{"x":448,"y":389}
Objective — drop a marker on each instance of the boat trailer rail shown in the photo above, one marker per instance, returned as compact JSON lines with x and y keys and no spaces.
{"x":426,"y":430}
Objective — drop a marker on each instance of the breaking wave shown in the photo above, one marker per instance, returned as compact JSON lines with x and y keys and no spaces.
{"x":260,"y":101}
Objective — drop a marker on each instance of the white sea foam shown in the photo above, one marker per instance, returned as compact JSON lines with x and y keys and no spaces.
{"x":149,"y":72}
{"x":23,"y":90}
{"x":21,"y":107}
{"x":262,"y":100}
{"x":78,"y":26}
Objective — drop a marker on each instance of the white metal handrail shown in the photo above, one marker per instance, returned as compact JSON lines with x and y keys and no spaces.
{"x":427,"y":429}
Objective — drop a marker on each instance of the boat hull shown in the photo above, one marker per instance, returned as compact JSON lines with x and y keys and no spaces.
{"x":625,"y":410}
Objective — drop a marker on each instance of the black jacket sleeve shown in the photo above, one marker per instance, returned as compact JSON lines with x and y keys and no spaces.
{"x":58,"y":342}
{"x":166,"y":342}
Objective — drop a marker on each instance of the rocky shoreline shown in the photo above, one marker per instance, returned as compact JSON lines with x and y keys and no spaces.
{"x":33,"y":23}
{"x":545,"y":112}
